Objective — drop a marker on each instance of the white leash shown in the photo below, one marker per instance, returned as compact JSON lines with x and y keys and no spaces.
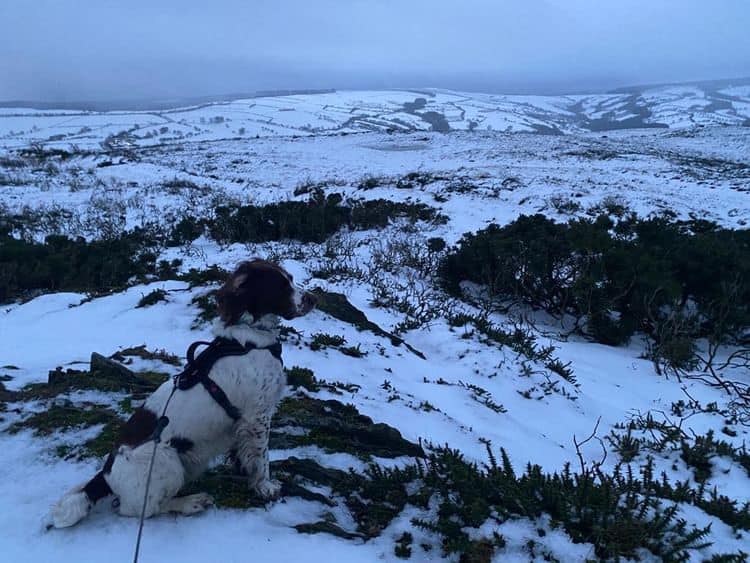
{"x":161,"y":424}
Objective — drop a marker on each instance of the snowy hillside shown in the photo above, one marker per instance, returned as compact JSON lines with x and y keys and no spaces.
{"x":162,"y":192}
{"x":402,"y":110}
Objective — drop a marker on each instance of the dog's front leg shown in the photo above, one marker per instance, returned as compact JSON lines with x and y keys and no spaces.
{"x":252,"y":452}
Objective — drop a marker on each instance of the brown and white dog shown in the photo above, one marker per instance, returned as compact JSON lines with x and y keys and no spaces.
{"x":199,"y":429}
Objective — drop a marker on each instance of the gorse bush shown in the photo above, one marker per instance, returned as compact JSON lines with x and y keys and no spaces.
{"x":312,"y":221}
{"x":64,"y":264}
{"x":619,"y":513}
{"x":674,"y":281}
{"x":622,"y":514}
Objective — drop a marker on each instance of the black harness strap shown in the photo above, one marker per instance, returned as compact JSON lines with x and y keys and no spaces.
{"x":218,"y":395}
{"x":198,"y":367}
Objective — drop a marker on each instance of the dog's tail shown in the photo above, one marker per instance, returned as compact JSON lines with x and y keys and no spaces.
{"x":75,"y":505}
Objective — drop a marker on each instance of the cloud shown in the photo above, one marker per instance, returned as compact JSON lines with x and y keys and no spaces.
{"x":103,"y":49}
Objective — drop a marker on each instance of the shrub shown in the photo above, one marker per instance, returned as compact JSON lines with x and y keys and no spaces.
{"x":321,"y":340}
{"x":621,"y":514}
{"x":312,"y":221}
{"x":674,"y":281}
{"x":64,"y":264}
{"x":152,"y":298}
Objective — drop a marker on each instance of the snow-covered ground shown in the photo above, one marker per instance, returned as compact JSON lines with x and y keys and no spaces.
{"x":276,"y":149}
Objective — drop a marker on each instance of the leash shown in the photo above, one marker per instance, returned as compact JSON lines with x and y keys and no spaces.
{"x":161,"y":424}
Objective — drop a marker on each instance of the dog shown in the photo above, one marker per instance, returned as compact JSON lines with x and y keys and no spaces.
{"x":201,"y":424}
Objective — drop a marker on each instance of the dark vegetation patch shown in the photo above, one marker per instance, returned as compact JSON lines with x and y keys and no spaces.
{"x":312,"y":221}
{"x":177,"y":185}
{"x":37,"y":154}
{"x":152,"y":298}
{"x":339,"y":307}
{"x":671,"y":280}
{"x":63,"y":264}
{"x":297,"y":377}
{"x":212,"y":274}
{"x":207,"y":308}
{"x":104,"y":375}
{"x":64,"y":417}
{"x":593,"y":154}
{"x":101,"y":266}
{"x":11,"y":162}
{"x":321,"y":340}
{"x":518,"y":338}
{"x":421,"y":179}
{"x":564,"y":205}
{"x":619,"y":514}
{"x":648,"y":435}
{"x":707,"y":168}
{"x":337,"y":427}
{"x":371,"y":182}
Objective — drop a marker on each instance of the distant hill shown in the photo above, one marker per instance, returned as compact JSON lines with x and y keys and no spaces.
{"x":316,"y":112}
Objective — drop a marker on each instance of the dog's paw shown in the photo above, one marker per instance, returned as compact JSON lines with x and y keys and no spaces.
{"x":69,"y":510}
{"x":190,"y":504}
{"x":268,"y":489}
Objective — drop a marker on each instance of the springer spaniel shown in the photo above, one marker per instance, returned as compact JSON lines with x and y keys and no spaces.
{"x":201,"y":425}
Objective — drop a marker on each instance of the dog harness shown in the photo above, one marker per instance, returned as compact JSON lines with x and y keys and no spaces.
{"x":198,"y":367}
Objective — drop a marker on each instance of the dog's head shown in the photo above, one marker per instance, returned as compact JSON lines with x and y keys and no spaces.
{"x":262,"y":288}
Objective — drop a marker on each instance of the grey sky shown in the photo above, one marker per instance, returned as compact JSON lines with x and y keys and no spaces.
{"x":102,"y":49}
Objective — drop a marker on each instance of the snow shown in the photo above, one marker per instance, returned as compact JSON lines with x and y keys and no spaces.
{"x":651,"y":171}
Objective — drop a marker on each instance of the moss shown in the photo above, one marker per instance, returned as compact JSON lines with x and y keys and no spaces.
{"x":65,"y":417}
{"x":59,"y":382}
{"x":336,"y":427}
{"x":308,"y":470}
{"x":103,"y":443}
{"x":228,"y":488}
{"x":297,"y":377}
{"x":126,"y":405}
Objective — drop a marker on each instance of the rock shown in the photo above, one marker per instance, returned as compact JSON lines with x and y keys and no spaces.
{"x":110,"y":368}
{"x":338,"y":306}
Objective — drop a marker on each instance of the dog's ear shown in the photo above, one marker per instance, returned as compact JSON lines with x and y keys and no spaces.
{"x":238,"y":280}
{"x":229,"y":299}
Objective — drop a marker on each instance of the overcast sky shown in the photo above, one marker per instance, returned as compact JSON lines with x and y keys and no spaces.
{"x":69,"y":50}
